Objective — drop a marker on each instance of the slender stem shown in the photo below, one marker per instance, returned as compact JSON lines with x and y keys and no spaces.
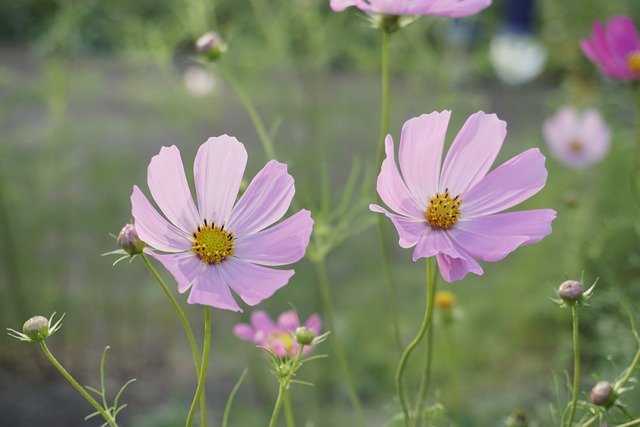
{"x":203,"y":369}
{"x":630,"y":423}
{"x":318,"y":263}
{"x":283,"y":389}
{"x":384,"y":130}
{"x":426,"y":374}
{"x":576,"y":364}
{"x":288,"y":412}
{"x":106,"y":415}
{"x":630,"y":369}
{"x":423,"y":329}
{"x":258,"y":124}
{"x":227,"y":409}
{"x":187,"y":329}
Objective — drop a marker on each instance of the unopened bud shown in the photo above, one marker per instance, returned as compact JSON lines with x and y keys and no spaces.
{"x":519,"y":418}
{"x":571,"y":291}
{"x":211,"y":46}
{"x":603,"y":394}
{"x":36,"y":328}
{"x":304,"y":336}
{"x":129,"y":241}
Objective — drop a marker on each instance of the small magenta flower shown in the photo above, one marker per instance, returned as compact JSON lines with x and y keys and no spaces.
{"x":445,"y":8}
{"x":222,"y":243}
{"x":615,"y":48}
{"x":281,"y":337}
{"x":577,"y":140}
{"x":451,"y":211}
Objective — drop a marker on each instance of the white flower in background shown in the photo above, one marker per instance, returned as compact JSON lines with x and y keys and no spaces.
{"x":577,"y":140}
{"x":199,"y":81}
{"x":516,"y":58}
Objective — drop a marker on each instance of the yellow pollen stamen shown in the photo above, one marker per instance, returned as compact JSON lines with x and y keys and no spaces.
{"x":443,"y":211}
{"x":575,"y":146}
{"x":634,"y":62}
{"x":212,"y":244}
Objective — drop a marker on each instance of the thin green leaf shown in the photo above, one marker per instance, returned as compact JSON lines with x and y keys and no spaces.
{"x":227,"y":409}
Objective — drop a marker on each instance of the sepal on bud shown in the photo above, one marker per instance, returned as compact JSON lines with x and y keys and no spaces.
{"x":571,"y":293}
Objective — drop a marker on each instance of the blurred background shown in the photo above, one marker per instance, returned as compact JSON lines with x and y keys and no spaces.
{"x":90,"y":91}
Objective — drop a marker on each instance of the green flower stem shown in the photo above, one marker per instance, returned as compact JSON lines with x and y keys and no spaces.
{"x":106,"y":415}
{"x":426,"y":373}
{"x":576,"y":364}
{"x":258,"y":124}
{"x":319,"y":265}
{"x":203,"y":369}
{"x":630,"y":369}
{"x":635,"y":422}
{"x":283,"y":389}
{"x":423,"y":329}
{"x":384,"y":130}
{"x":288,"y":412}
{"x":187,"y":329}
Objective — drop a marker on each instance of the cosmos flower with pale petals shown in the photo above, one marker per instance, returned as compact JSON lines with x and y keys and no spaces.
{"x":445,"y":8}
{"x":280,"y":337}
{"x":221,"y":244}
{"x":453,"y":210}
{"x":615,"y":48}
{"x":577,"y":140}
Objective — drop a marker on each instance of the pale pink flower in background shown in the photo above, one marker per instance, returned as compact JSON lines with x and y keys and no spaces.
{"x":280,"y":337}
{"x":445,"y":8}
{"x":222,"y":244}
{"x":615,"y":48}
{"x":451,"y":211}
{"x":577,"y":140}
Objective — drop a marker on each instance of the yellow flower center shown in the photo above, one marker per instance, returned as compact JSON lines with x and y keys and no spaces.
{"x":445,"y":300}
{"x":634,"y":62}
{"x":284,"y":338}
{"x":213,"y":244}
{"x":444,"y":210}
{"x":575,"y":146}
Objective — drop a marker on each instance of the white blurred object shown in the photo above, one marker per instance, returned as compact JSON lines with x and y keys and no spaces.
{"x":199,"y":81}
{"x":517,"y":58}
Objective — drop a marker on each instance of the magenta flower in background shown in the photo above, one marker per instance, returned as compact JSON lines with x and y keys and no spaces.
{"x":577,"y":140}
{"x":222,"y":243}
{"x":446,"y":8}
{"x":452,"y":211}
{"x":615,"y":48}
{"x":280,"y":337}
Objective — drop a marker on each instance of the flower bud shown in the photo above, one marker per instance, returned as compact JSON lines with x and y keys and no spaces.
{"x":519,"y":418}
{"x":129,"y":241}
{"x":603,"y":394}
{"x":304,"y":336}
{"x":36,"y":328}
{"x":211,"y":46}
{"x":571,"y":291}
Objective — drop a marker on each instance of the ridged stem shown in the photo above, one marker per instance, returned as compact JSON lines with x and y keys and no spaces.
{"x":203,"y":368}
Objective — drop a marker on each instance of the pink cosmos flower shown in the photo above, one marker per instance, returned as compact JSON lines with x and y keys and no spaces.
{"x":577,"y":140}
{"x":452,"y":211}
{"x":615,"y":49}
{"x":446,"y":8}
{"x":222,"y":243}
{"x":279,"y":338}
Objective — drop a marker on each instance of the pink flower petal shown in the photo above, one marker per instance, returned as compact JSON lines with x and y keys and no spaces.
{"x":485,"y":240}
{"x":262,"y":322}
{"x":340,"y":5}
{"x":622,"y":39}
{"x":472,"y":153}
{"x":509,"y":184}
{"x":409,"y":229}
{"x":454,"y":269}
{"x":314,"y":323}
{"x":448,"y":8}
{"x":264,"y":202}
{"x":288,"y":321}
{"x":185,"y":267}
{"x":420,"y":154}
{"x":211,"y":288}
{"x":218,"y":170}
{"x":244,"y":332}
{"x":169,"y":188}
{"x":393,"y":190}
{"x":253,"y":283}
{"x":153,"y":229}
{"x":284,"y":243}
{"x":434,"y":242}
{"x":387,"y":7}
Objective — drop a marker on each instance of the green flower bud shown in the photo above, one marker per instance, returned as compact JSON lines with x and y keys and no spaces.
{"x":519,"y":418}
{"x":211,"y":46}
{"x":571,"y":292}
{"x":304,"y":336}
{"x":129,"y":241}
{"x":603,"y":394}
{"x":36,"y":328}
